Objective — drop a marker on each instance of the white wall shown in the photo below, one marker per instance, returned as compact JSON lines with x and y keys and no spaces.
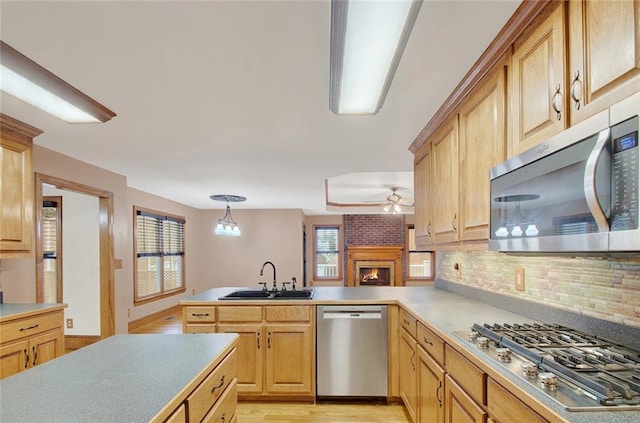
{"x":80,"y":260}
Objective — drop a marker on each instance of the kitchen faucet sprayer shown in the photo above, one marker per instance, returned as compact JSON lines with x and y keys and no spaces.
{"x":275,"y":288}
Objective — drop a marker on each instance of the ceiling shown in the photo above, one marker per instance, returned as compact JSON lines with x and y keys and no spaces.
{"x":232,"y":97}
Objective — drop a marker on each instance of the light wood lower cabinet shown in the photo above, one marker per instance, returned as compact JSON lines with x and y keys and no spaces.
{"x":29,"y":341}
{"x":408,"y":372}
{"x":504,"y":407}
{"x":431,"y":389}
{"x":276,"y":349}
{"x":459,"y":406}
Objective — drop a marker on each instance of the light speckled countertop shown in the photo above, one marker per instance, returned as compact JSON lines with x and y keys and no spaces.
{"x":444,"y":312}
{"x":124,"y":378}
{"x":9,"y":311}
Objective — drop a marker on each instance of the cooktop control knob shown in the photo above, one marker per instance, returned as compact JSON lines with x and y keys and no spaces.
{"x":504,"y":354}
{"x":482,"y":342}
{"x":472,"y":336}
{"x":548,"y":381}
{"x":530,"y":369}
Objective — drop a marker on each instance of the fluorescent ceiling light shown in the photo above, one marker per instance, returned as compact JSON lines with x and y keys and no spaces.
{"x":367,"y":41}
{"x":26,"y":80}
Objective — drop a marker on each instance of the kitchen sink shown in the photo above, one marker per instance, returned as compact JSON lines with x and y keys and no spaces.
{"x":259,"y":294}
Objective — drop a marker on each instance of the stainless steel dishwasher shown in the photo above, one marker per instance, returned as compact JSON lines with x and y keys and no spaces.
{"x":351,"y":353}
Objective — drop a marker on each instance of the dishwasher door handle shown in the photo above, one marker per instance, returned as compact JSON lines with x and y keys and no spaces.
{"x":352,"y":315}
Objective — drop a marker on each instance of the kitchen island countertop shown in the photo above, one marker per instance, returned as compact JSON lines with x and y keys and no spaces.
{"x":123,"y":378}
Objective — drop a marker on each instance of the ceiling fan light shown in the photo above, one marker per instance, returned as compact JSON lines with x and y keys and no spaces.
{"x":387,"y":207}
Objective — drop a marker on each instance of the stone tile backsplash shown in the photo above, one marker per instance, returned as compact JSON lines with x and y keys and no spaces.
{"x":603,"y":288}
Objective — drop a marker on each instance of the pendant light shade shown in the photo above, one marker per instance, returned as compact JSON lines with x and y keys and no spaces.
{"x":227,"y":226}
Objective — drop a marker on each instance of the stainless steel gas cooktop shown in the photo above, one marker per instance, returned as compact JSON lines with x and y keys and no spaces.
{"x":580,"y":371}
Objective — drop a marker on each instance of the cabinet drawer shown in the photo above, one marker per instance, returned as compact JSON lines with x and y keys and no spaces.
{"x":505,"y":407}
{"x":225,"y":408}
{"x":471,"y":378}
{"x":288,"y":313}
{"x":199,"y":314}
{"x":211,"y":389}
{"x":200,"y":328}
{"x":178,"y":416}
{"x":408,"y":322}
{"x":29,"y":326}
{"x":431,"y":343}
{"x":240,"y":314}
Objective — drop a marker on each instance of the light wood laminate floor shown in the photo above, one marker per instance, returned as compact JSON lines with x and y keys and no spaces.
{"x":278,"y":412}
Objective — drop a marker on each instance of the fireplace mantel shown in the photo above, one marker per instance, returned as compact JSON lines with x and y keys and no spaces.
{"x":374,"y":253}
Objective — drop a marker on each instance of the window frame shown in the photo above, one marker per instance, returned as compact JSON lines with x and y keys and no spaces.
{"x":409,"y":228}
{"x":163,"y":293}
{"x":340,"y":259}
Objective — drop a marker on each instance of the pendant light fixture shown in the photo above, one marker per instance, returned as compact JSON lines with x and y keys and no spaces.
{"x":226,"y":225}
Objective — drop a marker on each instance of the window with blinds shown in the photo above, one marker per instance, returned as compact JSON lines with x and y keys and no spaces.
{"x":327,"y":254}
{"x":160,"y":254}
{"x":51,"y":289}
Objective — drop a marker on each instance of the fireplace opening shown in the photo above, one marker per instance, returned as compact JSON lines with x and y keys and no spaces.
{"x":375,"y":273}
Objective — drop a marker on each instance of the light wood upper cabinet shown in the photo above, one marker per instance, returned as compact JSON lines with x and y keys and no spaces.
{"x":422,"y":189}
{"x":482,"y":146}
{"x":444,"y":151}
{"x":16,"y":187}
{"x":604,"y":54}
{"x":537,"y":82}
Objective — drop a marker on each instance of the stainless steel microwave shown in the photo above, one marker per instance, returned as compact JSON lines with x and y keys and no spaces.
{"x":576,"y":192}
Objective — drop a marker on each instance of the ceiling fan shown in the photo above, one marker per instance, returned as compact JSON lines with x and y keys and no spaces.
{"x":395,"y":202}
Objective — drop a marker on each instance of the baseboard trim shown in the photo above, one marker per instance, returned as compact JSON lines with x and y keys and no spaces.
{"x":138,"y":323}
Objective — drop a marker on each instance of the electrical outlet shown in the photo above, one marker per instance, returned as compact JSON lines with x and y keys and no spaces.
{"x":128,"y":312}
{"x":458,"y":267}
{"x":69,"y":323}
{"x":520,"y":278}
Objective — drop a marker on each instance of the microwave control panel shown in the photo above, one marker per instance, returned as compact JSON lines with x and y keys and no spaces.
{"x":625,"y":175}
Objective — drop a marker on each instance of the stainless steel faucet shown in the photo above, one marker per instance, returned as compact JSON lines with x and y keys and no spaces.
{"x":275,"y":287}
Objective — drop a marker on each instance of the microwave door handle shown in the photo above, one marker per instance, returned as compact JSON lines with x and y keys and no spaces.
{"x":590,"y":180}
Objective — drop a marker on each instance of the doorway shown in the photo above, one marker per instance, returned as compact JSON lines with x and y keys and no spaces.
{"x":105,"y":278}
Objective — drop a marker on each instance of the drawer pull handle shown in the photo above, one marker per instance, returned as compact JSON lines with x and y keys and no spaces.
{"x":438,"y":393}
{"x":222,"y":418}
{"x":258,"y":339}
{"x":406,"y":322}
{"x":29,"y":328}
{"x":200,"y":314}
{"x":26,"y":358}
{"x":269,"y":341}
{"x":218,"y":386}
{"x":426,"y":341}
{"x":35,"y":355}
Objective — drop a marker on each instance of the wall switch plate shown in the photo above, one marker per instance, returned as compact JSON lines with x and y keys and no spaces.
{"x":520,"y":278}
{"x":117,"y":264}
{"x":69,"y":323}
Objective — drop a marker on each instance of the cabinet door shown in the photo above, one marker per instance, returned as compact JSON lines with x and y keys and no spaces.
{"x":408,"y":378}
{"x":604,"y":54}
{"x":505,"y":407}
{"x":537,"y":83}
{"x":289,"y":358}
{"x":46,"y":347}
{"x":14,"y":358}
{"x":482,"y":146}
{"x":459,"y":407}
{"x":430,"y":389}
{"x":444,"y":181}
{"x":422,"y":187}
{"x":16,"y":196}
{"x":249,"y":353}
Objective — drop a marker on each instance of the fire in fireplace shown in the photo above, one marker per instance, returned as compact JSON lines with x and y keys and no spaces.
{"x":375,"y":273}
